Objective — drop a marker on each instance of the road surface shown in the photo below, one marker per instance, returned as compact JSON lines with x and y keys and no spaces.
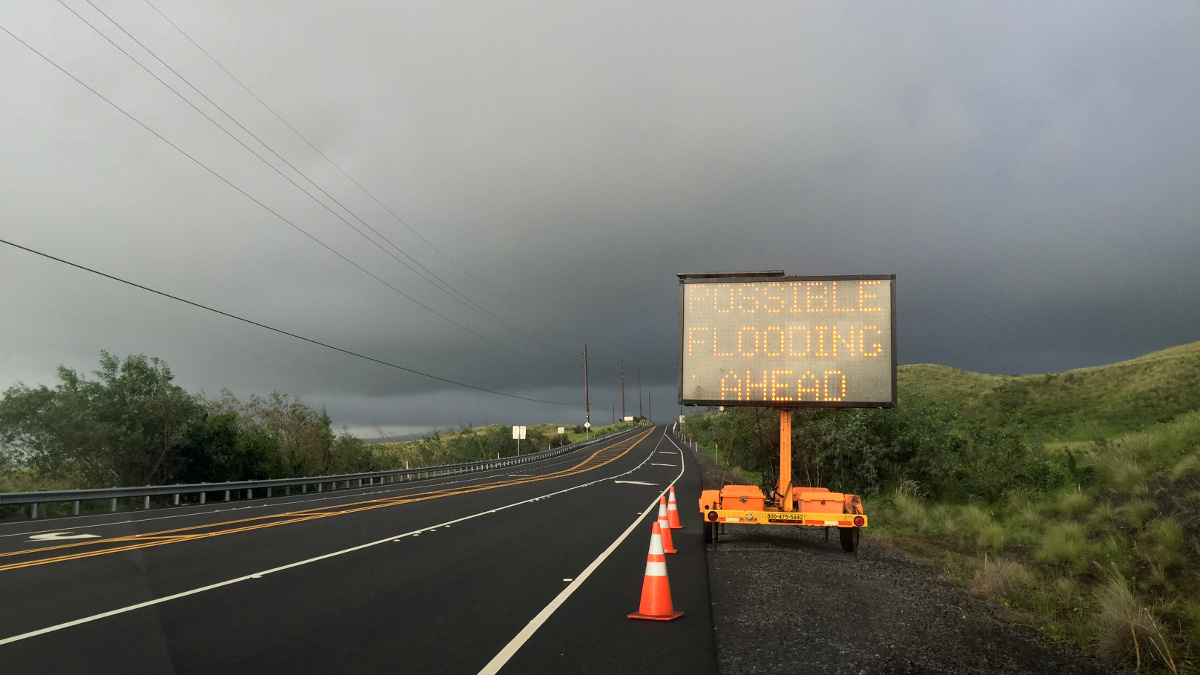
{"x":473,"y":573}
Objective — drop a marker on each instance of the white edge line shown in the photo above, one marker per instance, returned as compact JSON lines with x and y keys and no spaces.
{"x":510,"y":649}
{"x":334,"y":554}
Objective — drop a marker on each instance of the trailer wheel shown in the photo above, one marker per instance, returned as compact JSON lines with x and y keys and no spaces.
{"x":849,"y":536}
{"x":708,"y":528}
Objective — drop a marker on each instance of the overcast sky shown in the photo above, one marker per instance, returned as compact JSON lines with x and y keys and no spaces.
{"x":1029,"y":171}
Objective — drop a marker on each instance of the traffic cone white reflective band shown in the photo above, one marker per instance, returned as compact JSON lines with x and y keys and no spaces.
{"x":656,"y":561}
{"x":663,"y":527}
{"x":656,"y":588}
{"x":673,"y":511}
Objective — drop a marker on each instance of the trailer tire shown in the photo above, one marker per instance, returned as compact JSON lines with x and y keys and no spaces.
{"x":849,"y":537}
{"x":708,"y":532}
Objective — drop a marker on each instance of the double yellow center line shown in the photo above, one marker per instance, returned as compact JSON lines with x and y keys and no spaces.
{"x":134,"y":542}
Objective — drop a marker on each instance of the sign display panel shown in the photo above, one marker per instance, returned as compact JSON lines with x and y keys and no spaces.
{"x":787,"y":342}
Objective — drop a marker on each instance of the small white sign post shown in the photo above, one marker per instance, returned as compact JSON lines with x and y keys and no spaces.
{"x":560,"y":433}
{"x":518,"y":435}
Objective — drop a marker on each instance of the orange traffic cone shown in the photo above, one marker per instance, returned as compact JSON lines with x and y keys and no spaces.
{"x":656,"y":590}
{"x":664,"y":528}
{"x":673,"y":511}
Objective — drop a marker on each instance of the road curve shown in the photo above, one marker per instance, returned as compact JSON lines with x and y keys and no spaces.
{"x":470,"y":573}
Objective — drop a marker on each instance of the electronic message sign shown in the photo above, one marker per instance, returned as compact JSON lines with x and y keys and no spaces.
{"x":765,"y":339}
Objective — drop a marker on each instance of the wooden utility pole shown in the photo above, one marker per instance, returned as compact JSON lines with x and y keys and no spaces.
{"x":587,"y":408}
{"x":622,"y":390}
{"x":639,"y":392}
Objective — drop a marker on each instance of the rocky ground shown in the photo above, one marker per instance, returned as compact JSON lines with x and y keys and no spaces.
{"x":784,"y":601}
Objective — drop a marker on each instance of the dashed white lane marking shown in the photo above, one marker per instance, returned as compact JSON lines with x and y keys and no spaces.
{"x":657,"y":464}
{"x":634,"y":482}
{"x":59,"y":536}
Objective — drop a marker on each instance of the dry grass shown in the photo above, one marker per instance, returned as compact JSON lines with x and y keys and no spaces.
{"x":1000,"y":578}
{"x":1125,"y":630}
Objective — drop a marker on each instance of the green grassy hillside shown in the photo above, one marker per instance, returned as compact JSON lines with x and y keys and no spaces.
{"x":1082,"y":404}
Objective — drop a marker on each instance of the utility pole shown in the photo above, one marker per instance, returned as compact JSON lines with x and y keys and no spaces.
{"x":622,"y":390}
{"x":639,"y":392}
{"x":650,"y":405}
{"x":587,"y":409}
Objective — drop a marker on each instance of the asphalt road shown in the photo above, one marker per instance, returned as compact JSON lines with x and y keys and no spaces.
{"x":466,"y":574}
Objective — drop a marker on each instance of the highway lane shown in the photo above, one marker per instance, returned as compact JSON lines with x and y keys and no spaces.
{"x":440,"y":585}
{"x":14,"y":534}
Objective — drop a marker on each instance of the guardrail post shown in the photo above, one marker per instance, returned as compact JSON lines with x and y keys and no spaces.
{"x":147,"y":502}
{"x":114,"y":505}
{"x":318,"y":487}
{"x":359,"y":482}
{"x":202,"y":496}
{"x":227,"y":495}
{"x":249,"y":493}
{"x":176,"y":499}
{"x":287,"y":490}
{"x":268,"y":493}
{"x":33,"y":512}
{"x":76,"y":507}
{"x":304,"y":489}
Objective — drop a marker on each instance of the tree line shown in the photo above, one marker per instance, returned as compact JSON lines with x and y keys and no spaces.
{"x":131,"y":425}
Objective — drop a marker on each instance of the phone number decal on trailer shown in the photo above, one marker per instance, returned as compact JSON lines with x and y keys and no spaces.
{"x":765,"y":339}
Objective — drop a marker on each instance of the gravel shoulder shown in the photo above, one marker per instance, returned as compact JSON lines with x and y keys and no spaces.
{"x":784,"y":601}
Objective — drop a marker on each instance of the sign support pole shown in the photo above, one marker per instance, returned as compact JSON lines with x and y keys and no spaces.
{"x":785,"y":460}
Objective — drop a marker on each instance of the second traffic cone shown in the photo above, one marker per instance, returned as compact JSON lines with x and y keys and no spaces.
{"x":656,"y":589}
{"x":664,"y":528}
{"x":673,"y":511}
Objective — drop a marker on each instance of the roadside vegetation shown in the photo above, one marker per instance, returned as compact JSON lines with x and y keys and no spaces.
{"x":1072,"y":499}
{"x":471,"y":444}
{"x":129,"y":424}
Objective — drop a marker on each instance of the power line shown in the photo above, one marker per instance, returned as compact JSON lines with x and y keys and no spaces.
{"x":258,"y":156}
{"x":436,"y":281}
{"x":347,"y":176}
{"x":247,"y":194}
{"x":276,"y":330}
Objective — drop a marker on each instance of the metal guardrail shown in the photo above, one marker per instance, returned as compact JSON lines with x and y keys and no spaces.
{"x":321,"y":482}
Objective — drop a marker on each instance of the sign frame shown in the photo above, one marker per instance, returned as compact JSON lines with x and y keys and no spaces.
{"x":778,"y":275}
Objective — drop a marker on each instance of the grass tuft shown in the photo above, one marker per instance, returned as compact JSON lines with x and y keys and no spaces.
{"x":1000,"y":578}
{"x":1124,"y":628}
{"x":1073,"y":503}
{"x":1135,"y":512}
{"x":1188,"y":466}
{"x":1064,"y":545}
{"x":991,"y":536}
{"x":1161,"y":544}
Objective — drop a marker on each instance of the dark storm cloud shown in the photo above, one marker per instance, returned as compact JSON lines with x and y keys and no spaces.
{"x":1028,"y":171}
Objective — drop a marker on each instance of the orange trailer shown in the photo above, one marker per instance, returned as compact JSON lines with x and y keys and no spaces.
{"x":792,"y":506}
{"x":765,"y":339}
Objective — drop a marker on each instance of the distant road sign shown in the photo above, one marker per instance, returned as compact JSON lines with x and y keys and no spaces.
{"x":587,"y":425}
{"x":518,"y":433}
{"x":764,"y":339}
{"x":628,"y":418}
{"x":561,"y":430}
